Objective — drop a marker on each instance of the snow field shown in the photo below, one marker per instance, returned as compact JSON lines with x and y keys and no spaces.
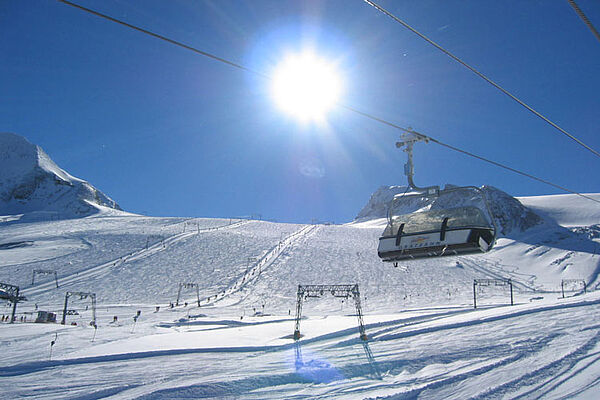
{"x":425,"y":339}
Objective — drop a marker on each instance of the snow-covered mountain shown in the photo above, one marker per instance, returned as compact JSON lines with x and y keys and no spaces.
{"x":378,"y":204}
{"x":209,"y":303}
{"x":510,"y":214}
{"x":31,"y":183}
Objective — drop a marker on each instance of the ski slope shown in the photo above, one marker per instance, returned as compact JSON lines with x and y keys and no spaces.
{"x":425,"y":338}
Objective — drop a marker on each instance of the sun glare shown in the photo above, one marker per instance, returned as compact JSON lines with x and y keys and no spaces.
{"x":306,"y":86}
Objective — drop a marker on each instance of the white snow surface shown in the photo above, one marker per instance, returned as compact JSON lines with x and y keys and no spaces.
{"x":426,"y":340}
{"x":566,"y":209}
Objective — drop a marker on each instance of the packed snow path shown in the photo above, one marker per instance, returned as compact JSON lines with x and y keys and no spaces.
{"x":94,"y":272}
{"x":254,"y":271}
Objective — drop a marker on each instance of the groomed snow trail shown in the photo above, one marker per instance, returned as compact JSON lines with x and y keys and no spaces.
{"x":95,"y":272}
{"x":493,"y":353}
{"x":260,"y":265}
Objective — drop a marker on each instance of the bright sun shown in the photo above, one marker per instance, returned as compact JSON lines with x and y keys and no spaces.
{"x":306,"y":86}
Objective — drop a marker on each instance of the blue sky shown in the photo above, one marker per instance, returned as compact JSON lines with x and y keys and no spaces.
{"x":166,"y":132}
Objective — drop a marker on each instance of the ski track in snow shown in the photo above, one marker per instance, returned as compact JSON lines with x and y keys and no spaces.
{"x":255,"y":270}
{"x":104,"y":268}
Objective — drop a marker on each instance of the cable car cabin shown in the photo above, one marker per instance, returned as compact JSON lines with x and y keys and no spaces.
{"x":436,"y":233}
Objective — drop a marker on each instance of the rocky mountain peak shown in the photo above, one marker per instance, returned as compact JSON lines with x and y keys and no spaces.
{"x":30,"y":182}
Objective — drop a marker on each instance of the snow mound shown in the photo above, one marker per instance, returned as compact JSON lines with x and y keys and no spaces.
{"x":510,"y":215}
{"x":566,"y":209}
{"x":31,"y":183}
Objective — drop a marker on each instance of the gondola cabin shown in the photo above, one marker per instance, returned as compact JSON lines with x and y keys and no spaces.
{"x":436,"y":233}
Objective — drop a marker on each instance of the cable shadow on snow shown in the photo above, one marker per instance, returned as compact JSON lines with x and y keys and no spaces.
{"x":550,"y":370}
{"x":32,"y":367}
{"x":315,"y":368}
{"x":224,"y":323}
{"x":484,"y":320}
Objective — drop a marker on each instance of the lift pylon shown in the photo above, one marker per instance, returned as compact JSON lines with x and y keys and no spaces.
{"x":567,"y":282}
{"x":189,"y":285}
{"x":11,"y":293}
{"x":44,"y":272}
{"x":345,"y":291}
{"x":82,"y":295}
{"x":492,"y":282}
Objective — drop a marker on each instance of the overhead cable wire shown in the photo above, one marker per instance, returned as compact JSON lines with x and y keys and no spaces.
{"x":166,"y":39}
{"x":584,"y":18}
{"x":482,"y":76}
{"x":511,"y":169}
{"x":468,"y":153}
{"x":351,"y":109}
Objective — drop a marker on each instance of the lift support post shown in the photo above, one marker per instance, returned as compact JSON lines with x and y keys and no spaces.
{"x":344,"y":291}
{"x":11,"y":293}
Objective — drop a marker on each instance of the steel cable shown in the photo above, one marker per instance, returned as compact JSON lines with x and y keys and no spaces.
{"x":351,"y":109}
{"x":584,"y":18}
{"x":482,"y":76}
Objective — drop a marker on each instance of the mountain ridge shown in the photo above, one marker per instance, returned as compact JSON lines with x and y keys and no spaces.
{"x":509,"y":214}
{"x":31,"y":182}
